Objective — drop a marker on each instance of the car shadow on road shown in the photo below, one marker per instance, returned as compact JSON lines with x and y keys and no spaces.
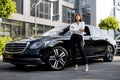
{"x":29,"y":68}
{"x":118,"y":54}
{"x":32,"y":68}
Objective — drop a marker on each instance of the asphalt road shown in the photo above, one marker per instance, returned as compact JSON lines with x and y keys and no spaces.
{"x":98,"y":70}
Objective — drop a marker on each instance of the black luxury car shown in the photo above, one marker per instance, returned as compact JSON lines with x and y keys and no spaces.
{"x":53,"y":48}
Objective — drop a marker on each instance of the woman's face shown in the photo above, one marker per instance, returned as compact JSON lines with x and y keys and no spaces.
{"x":77,"y":18}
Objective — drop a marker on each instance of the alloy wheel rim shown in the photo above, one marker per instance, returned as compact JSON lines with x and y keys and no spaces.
{"x":110,"y":53}
{"x":57,"y":59}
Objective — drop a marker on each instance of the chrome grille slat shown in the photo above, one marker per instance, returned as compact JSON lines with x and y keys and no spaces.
{"x":15,"y":47}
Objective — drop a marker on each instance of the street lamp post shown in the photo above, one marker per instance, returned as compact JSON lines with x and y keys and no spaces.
{"x":36,"y":14}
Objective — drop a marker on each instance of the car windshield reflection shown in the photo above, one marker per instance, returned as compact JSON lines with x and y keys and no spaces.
{"x":61,"y":30}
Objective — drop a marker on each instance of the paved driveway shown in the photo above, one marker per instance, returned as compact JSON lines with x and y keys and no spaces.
{"x":98,"y":70}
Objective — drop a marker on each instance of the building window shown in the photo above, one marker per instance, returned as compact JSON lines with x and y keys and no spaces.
{"x":40,"y":29}
{"x":18,"y":30}
{"x":119,"y":3}
{"x":32,"y":7}
{"x":43,"y":9}
{"x":86,"y":15}
{"x":68,"y":15}
{"x":71,"y":1}
{"x":13,"y":28}
{"x":85,"y":2}
{"x":86,"y":11}
{"x":19,"y":6}
{"x":55,"y":11}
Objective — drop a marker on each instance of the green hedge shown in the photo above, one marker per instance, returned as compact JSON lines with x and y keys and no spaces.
{"x":3,"y":41}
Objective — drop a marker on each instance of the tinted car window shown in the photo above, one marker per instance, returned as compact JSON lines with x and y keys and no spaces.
{"x":96,"y":31}
{"x":105,"y":34}
{"x":65,"y":30}
{"x":118,"y":38}
{"x":67,"y":33}
{"x":87,"y":31}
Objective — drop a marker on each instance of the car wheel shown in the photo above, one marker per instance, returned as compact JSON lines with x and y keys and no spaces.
{"x":109,"y":54}
{"x":58,"y":58}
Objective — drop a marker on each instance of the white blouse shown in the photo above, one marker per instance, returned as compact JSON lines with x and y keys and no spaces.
{"x":74,"y":28}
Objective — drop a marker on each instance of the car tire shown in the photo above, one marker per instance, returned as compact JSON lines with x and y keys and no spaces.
{"x":58,"y":58}
{"x":109,"y":54}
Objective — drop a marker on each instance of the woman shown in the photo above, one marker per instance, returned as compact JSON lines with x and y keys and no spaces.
{"x":77,"y":32}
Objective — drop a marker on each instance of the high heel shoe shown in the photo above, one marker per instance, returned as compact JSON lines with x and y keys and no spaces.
{"x":76,"y":67}
{"x":86,"y":68}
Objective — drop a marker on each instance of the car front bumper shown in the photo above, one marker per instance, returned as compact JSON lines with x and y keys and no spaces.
{"x":29,"y":57}
{"x":26,"y":61}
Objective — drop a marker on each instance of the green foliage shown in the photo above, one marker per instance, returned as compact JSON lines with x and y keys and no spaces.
{"x":109,"y":23}
{"x":3,"y":41}
{"x":7,"y":7}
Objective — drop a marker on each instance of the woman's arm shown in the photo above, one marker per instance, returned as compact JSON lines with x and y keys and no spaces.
{"x":82,"y":27}
{"x":72,"y":28}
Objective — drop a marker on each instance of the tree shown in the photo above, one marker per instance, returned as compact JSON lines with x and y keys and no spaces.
{"x":7,"y":7}
{"x":109,"y":23}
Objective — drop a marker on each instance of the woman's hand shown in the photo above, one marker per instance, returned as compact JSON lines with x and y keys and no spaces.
{"x":81,"y":30}
{"x":72,"y":27}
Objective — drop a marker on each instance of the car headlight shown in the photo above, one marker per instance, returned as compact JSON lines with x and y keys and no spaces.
{"x":39,"y":44}
{"x":46,"y":43}
{"x":36,"y":45}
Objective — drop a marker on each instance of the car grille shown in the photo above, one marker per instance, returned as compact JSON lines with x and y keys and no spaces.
{"x":15,"y":47}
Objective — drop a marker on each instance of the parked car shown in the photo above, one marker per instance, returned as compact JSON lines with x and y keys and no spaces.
{"x":53,"y":48}
{"x":118,"y":43}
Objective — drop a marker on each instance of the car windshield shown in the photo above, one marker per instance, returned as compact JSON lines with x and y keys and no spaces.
{"x":61,"y":30}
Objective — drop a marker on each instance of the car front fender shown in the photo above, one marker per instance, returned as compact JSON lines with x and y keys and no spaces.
{"x":53,"y":43}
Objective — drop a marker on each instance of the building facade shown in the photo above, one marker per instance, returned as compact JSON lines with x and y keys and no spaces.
{"x":117,"y":15}
{"x":117,"y":9}
{"x":95,"y":10}
{"x":49,"y":15}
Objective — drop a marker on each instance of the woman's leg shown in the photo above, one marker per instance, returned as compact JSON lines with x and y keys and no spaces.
{"x":73,"y":50}
{"x":82,"y":52}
